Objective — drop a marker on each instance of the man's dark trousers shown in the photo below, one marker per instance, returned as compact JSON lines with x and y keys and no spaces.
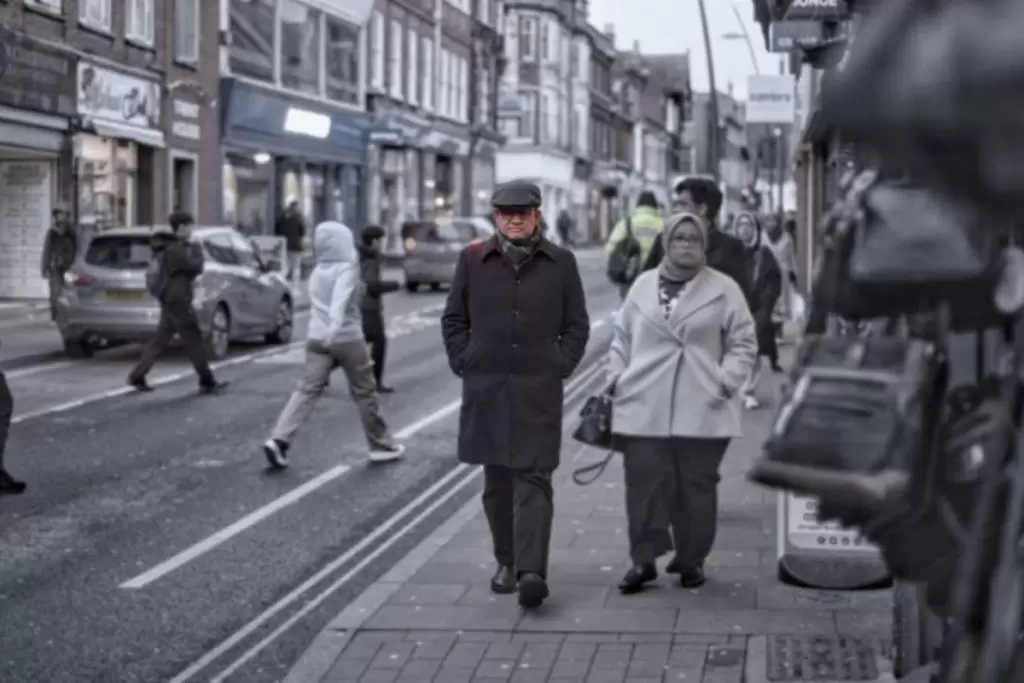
{"x":180,"y":319}
{"x":6,"y":413}
{"x":519,"y":505}
{"x":377,"y":338}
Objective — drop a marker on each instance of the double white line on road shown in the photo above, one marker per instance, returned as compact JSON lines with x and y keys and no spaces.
{"x":456,"y":480}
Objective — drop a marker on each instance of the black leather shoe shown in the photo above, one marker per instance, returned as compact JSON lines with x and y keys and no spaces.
{"x":9,"y":486}
{"x":503,"y":581}
{"x":692,"y":577}
{"x":673,"y":567}
{"x":533,"y":589}
{"x":637,"y":578}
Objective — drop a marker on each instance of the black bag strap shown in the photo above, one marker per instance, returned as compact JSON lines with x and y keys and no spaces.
{"x":598,"y":468}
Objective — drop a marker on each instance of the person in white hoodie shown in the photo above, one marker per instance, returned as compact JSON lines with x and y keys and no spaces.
{"x":335,"y":339}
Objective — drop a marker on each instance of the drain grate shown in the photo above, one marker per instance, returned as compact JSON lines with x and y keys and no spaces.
{"x":836,"y":658}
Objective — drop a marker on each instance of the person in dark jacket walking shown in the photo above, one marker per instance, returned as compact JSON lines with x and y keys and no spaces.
{"x":515,"y":327}
{"x":765,"y":289}
{"x":725,"y":253}
{"x":292,"y":228}
{"x":9,"y":486}
{"x":371,"y":305}
{"x":564,"y":225}
{"x":178,"y":262}
{"x":60,"y":249}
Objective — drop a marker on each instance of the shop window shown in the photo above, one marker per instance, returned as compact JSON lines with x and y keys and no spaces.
{"x":252,"y":39}
{"x":50,"y":6}
{"x":107,"y":181}
{"x":300,"y":47}
{"x":186,"y":31}
{"x":342,"y":61}
{"x":183,"y":184}
{"x":247,"y":195}
{"x":139,"y":21}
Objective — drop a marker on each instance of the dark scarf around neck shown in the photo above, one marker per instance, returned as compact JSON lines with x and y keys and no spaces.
{"x":518,"y":251}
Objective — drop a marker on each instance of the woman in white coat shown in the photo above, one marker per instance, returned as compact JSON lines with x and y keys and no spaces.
{"x":684,"y":345}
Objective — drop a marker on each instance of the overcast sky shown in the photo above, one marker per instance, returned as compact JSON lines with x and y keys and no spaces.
{"x":664,"y":26}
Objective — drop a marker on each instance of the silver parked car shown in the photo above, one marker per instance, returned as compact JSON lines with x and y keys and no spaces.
{"x":237,"y":297}
{"x":432,"y":248}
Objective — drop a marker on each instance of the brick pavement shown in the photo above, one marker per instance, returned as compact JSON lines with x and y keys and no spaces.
{"x":440,"y":623}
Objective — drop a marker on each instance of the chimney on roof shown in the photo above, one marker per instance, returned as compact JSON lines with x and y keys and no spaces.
{"x":609,"y":30}
{"x":636,"y":46}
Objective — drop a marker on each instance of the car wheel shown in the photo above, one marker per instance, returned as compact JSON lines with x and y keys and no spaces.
{"x":435,"y":286}
{"x":78,"y":348}
{"x":412,"y":286}
{"x":282,"y":334}
{"x":219,"y":336}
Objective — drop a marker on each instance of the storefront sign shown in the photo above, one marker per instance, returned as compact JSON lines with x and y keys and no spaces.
{"x":118,"y":97}
{"x":35,"y":76}
{"x":186,"y":120}
{"x":771,"y":99}
{"x":398,"y":129}
{"x":817,"y":10}
{"x":301,"y":122}
{"x":444,"y":143}
{"x":788,"y":35}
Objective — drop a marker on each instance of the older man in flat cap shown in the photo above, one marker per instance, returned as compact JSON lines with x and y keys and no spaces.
{"x":515,"y":328}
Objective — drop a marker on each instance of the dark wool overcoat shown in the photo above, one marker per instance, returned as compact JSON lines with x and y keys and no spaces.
{"x":514,"y":336}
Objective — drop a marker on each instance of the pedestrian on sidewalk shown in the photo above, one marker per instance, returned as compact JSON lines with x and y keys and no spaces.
{"x":765,"y":288}
{"x":372,"y":307}
{"x":175,"y":263}
{"x":643,"y":228}
{"x":564,"y":225}
{"x":335,"y":340}
{"x":515,"y":327}
{"x":292,"y":227}
{"x":683,"y":345}
{"x":9,"y":486}
{"x":60,"y":249}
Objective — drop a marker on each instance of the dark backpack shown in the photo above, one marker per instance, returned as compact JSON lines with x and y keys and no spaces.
{"x":156,"y":277}
{"x":624,"y":261}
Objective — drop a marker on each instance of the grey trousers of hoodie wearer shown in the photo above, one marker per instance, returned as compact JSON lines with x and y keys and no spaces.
{"x":519,"y":505}
{"x":354,"y":360}
{"x":672,"y":482}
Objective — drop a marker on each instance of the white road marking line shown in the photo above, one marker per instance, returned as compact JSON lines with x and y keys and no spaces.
{"x":227,"y":533}
{"x":258,"y":622}
{"x":35,"y":369}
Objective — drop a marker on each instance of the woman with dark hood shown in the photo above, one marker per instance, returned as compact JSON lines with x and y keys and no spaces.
{"x":765,"y":289}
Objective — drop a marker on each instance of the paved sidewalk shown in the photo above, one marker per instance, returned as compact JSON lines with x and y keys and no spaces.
{"x":432,"y":619}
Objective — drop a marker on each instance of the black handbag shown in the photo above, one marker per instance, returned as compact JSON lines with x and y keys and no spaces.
{"x":895,"y":249}
{"x":858,"y":405}
{"x":595,"y":429}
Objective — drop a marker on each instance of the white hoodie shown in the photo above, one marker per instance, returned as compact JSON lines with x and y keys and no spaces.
{"x":334,"y":286}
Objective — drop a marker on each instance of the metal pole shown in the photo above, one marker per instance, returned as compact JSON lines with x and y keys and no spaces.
{"x":571,"y":90}
{"x":746,"y":39}
{"x":474,"y":97}
{"x":713,"y":144}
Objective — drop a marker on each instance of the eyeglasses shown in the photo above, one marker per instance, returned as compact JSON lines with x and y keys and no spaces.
{"x":514,"y":211}
{"x":688,"y":240}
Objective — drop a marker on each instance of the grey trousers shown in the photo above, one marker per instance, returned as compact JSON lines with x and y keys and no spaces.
{"x":177,"y":319}
{"x":354,"y":360}
{"x":672,"y":482}
{"x":519,"y":505}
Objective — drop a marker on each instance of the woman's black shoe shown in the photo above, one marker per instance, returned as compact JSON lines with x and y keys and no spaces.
{"x":504,"y":581}
{"x":637,"y":578}
{"x":692,"y":577}
{"x":9,"y":486}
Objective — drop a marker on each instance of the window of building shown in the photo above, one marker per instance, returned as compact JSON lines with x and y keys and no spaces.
{"x":395,"y":42}
{"x":412,"y":74}
{"x":377,"y":51}
{"x":484,"y":11}
{"x":93,"y":13}
{"x":300,"y":47}
{"x":428,"y":74}
{"x":186,"y":31}
{"x":461,"y":90}
{"x":483,"y":103}
{"x":184,"y":183}
{"x":342,"y":55}
{"x":252,"y":39}
{"x":50,"y":6}
{"x":545,"y":42}
{"x":139,"y":21}
{"x":445,"y":84}
{"x":528,"y":39}
{"x":528,"y":119}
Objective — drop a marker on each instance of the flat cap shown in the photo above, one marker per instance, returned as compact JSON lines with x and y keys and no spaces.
{"x":518,"y":193}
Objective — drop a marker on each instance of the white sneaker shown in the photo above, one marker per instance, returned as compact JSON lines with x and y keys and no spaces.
{"x":387,"y":453}
{"x":751,"y":403}
{"x":277,"y":453}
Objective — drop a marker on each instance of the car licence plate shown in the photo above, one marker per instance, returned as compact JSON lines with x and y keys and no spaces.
{"x":122,"y":295}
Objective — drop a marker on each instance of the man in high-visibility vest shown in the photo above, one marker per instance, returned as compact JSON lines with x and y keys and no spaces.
{"x":645,"y":224}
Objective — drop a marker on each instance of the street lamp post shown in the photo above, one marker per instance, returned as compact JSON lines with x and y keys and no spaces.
{"x":714,"y":152}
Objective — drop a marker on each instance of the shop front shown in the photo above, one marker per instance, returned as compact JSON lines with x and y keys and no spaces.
{"x":482,"y":175}
{"x":117,"y":149}
{"x":37,"y":102}
{"x":279,"y":149}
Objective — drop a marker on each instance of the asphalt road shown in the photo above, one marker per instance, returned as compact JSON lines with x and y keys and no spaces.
{"x":154,"y":546}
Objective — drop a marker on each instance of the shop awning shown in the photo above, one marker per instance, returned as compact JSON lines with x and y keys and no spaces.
{"x":120,"y":131}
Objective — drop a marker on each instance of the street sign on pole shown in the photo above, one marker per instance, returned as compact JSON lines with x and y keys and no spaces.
{"x":824,"y":556}
{"x":771,"y":99}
